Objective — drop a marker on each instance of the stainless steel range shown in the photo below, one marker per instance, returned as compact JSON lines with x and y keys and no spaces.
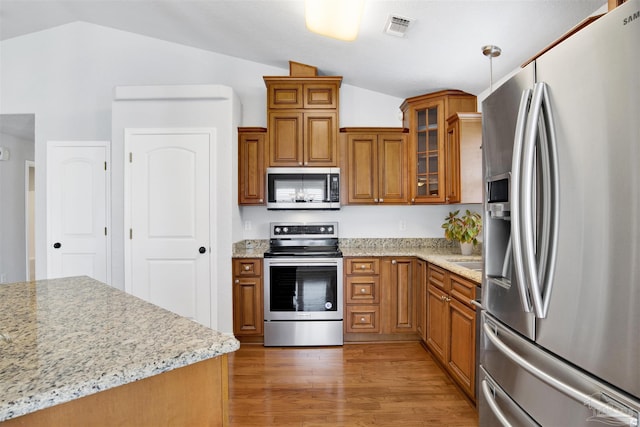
{"x":303,"y":289}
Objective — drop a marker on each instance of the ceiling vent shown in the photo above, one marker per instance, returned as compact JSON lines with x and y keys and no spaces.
{"x":397,"y":25}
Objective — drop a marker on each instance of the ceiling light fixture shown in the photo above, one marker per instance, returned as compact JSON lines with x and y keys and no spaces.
{"x":339,"y":19}
{"x":491,"y":52}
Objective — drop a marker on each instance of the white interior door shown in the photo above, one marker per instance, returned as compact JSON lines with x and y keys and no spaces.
{"x":167,"y":254}
{"x":77,"y":209}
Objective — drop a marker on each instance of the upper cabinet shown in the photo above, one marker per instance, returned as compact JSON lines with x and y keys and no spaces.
{"x":425,"y":116}
{"x":374,"y":165}
{"x":463,"y":154}
{"x":251,"y":168}
{"x":302,"y":117}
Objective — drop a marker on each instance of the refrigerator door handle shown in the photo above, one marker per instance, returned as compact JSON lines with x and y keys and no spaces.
{"x":516,"y":218}
{"x":588,"y":400}
{"x":488,"y":390}
{"x":539,"y":269}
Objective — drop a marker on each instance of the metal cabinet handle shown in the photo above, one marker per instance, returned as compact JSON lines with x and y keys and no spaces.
{"x":363,"y":290}
{"x":363,"y":267}
{"x":57,"y":245}
{"x":362,"y":319}
{"x":246,"y":268}
{"x":381,"y":200}
{"x":237,"y":281}
{"x":394,"y":262}
{"x":202,"y":249}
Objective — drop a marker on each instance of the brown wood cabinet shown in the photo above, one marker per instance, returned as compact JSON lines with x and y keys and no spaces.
{"x":362,"y":295}
{"x":374,"y":165}
{"x":421,"y":298}
{"x":463,"y":154}
{"x":302,"y":116}
{"x":380,"y":298}
{"x":399,"y":279}
{"x":451,"y":325}
{"x":251,"y":165}
{"x":248,"y":318}
{"x":425,"y":117}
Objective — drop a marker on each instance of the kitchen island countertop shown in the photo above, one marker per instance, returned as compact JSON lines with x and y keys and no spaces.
{"x":64,"y":339}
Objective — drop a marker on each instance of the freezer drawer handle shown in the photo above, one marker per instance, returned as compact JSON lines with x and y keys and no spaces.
{"x":583,"y":398}
{"x":488,"y":390}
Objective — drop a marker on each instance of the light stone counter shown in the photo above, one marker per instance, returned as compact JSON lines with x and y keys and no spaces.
{"x":67,"y":338}
{"x":437,"y":251}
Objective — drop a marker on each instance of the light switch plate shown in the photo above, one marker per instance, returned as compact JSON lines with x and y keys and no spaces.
{"x":4,"y":153}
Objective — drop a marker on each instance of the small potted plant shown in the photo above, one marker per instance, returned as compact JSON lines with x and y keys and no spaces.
{"x":464,"y":229}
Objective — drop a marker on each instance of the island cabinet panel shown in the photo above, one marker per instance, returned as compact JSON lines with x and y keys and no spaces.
{"x":194,"y":395}
{"x":451,"y":325}
{"x":248,"y":318}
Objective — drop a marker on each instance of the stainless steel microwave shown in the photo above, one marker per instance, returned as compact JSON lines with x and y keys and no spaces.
{"x":303,"y":188}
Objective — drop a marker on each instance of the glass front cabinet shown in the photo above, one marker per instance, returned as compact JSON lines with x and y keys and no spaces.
{"x":425,"y":117}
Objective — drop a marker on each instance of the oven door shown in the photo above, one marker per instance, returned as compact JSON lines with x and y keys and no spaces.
{"x":303,"y":288}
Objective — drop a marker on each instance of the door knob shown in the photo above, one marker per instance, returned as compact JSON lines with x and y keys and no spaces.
{"x":202,"y":249}
{"x":57,"y":245}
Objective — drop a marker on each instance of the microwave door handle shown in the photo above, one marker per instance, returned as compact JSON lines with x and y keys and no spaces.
{"x":516,"y":221}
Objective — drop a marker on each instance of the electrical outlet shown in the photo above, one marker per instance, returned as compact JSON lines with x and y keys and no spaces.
{"x":247,"y":225}
{"x":403,"y":225}
{"x":3,"y":277}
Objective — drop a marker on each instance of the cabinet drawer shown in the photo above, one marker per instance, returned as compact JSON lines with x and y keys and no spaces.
{"x":463,"y":289}
{"x":249,"y":267}
{"x":320,"y":96}
{"x":437,"y":277}
{"x":362,"y":265}
{"x":362,"y":289}
{"x":365,"y":318}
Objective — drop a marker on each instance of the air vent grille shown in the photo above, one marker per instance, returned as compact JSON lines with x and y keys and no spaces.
{"x":397,"y":25}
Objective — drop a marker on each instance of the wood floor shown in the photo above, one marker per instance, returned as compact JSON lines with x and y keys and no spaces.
{"x":390,"y":384}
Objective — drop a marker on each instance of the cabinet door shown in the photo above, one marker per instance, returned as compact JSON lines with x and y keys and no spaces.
{"x":462,"y":345}
{"x":452,"y":156}
{"x":392,"y":168}
{"x":285,"y":139}
{"x":437,"y":325}
{"x":421,"y":298}
{"x":362,"y":156}
{"x":320,"y":139}
{"x":251,"y":171}
{"x":428,"y":151}
{"x":402,"y":296}
{"x":247,"y":306}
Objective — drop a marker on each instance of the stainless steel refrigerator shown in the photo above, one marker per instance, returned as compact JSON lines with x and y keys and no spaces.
{"x":560,"y":343}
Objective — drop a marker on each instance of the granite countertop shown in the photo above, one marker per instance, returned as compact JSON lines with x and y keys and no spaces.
{"x":63,"y":339}
{"x":434,"y":250}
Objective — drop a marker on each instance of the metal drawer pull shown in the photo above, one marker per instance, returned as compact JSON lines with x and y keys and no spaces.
{"x":363,"y":290}
{"x":489,"y":394}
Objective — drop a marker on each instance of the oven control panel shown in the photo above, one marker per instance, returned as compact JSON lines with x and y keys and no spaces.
{"x":293,"y":230}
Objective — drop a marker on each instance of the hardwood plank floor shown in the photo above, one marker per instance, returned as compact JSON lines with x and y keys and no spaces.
{"x":389,"y":384}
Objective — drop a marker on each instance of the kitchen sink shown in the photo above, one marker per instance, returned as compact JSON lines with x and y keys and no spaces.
{"x":471,"y":265}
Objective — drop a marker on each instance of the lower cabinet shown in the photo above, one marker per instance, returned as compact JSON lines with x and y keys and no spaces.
{"x":248,"y":318}
{"x":380,"y":298}
{"x":451,"y":325}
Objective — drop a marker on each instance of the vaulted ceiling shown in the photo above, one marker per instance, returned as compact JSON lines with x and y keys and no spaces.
{"x":441,"y":48}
